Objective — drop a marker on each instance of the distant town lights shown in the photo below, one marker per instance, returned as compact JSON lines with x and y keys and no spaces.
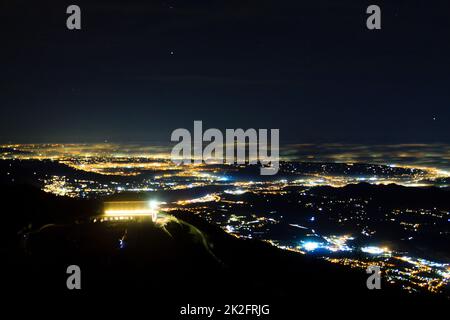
{"x":374,"y":250}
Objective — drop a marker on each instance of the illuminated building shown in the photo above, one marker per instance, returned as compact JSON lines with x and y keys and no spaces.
{"x":132,"y":208}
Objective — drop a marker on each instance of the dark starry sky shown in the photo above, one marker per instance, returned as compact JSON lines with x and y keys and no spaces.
{"x":139,"y":69}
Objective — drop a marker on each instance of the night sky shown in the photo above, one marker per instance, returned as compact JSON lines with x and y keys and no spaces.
{"x":140,"y":69}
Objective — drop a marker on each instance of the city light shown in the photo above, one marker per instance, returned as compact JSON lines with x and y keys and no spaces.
{"x":269,"y":205}
{"x":310,"y":245}
{"x":235,"y":191}
{"x":374,"y":250}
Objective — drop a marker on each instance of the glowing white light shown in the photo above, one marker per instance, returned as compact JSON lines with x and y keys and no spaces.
{"x":310,"y":246}
{"x":153,"y":205}
{"x":236,"y":191}
{"x":373,"y":250}
{"x":229,"y":229}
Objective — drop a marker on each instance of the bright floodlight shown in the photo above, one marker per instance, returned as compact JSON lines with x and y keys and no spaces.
{"x":310,"y":246}
{"x":153,"y":205}
{"x":373,"y":250}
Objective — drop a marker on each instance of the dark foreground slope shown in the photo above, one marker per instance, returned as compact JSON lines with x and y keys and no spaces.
{"x":157,"y":269}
